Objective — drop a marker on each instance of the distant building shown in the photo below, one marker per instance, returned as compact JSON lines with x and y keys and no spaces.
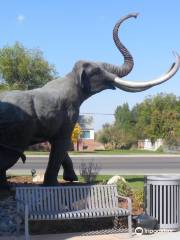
{"x":148,"y":145}
{"x":86,"y":139}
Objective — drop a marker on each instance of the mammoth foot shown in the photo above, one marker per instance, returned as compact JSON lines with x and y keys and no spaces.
{"x":70,"y":176}
{"x":3,"y":179}
{"x":4,"y":184}
{"x":50,"y":182}
{"x":66,"y":177}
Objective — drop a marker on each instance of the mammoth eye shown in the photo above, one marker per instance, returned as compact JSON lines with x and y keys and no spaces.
{"x":94,"y":71}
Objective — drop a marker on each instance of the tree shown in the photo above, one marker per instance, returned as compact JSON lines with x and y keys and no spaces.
{"x":22,"y":68}
{"x":123,"y":118}
{"x":164,"y":119}
{"x":103,"y":135}
{"x":76,"y":133}
{"x":158,"y":117}
{"x":142,"y":119}
{"x":115,"y":138}
{"x":124,"y":126}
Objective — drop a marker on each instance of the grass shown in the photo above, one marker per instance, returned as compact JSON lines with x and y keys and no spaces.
{"x":135,"y":181}
{"x":117,"y":152}
{"x":104,"y":152}
{"x":36,"y":153}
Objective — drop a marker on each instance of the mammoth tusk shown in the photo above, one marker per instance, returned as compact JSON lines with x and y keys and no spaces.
{"x":140,"y":86}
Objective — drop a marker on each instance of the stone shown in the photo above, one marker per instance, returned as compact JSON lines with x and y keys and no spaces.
{"x":4,"y":226}
{"x":38,"y":178}
{"x":115,"y":179}
{"x":9,"y":218}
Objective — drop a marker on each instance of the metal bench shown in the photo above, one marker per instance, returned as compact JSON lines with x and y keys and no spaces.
{"x":70,"y":202}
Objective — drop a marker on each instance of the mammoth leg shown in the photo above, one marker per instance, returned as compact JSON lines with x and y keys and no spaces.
{"x":59,"y":147}
{"x":3,"y":180}
{"x":69,"y":174}
{"x":8,"y":158}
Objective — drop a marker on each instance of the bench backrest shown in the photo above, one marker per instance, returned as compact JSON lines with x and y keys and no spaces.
{"x":67,"y":198}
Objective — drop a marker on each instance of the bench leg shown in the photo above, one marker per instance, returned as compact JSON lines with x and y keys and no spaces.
{"x":26,"y":224}
{"x":130,"y":225}
{"x":17,"y":226}
{"x":116,"y":222}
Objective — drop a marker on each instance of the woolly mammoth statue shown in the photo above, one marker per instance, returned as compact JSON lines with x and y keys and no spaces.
{"x":50,"y":113}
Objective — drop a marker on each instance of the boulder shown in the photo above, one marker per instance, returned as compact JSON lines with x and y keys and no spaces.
{"x":39,"y":177}
{"x":115,"y":179}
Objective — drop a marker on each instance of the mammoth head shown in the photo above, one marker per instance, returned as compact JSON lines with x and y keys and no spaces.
{"x":95,"y":77}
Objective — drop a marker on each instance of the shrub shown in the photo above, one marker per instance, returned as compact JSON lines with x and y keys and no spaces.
{"x":138,"y":198}
{"x":89,"y":171}
{"x":160,"y":149}
{"x":124,"y":189}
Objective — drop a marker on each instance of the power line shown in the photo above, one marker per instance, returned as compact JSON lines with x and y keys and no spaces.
{"x":109,"y":114}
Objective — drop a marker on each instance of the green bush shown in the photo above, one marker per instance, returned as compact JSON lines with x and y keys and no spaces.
{"x":124,"y":189}
{"x":160,"y":149}
{"x":138,"y":198}
{"x":89,"y":171}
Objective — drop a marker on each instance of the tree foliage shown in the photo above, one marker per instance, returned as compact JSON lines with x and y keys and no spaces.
{"x":114,"y":137}
{"x":123,"y":118}
{"x":22,"y":68}
{"x":76,"y":133}
{"x":156,"y":117}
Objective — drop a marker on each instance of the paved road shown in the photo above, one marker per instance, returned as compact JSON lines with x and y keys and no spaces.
{"x":113,"y":164}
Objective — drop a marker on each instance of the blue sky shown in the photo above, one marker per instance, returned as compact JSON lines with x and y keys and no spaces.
{"x":71,"y":30}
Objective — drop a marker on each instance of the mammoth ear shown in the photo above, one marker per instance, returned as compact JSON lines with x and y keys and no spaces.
{"x":84,"y":82}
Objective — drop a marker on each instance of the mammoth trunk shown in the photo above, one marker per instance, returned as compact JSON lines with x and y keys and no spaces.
{"x":126,"y":68}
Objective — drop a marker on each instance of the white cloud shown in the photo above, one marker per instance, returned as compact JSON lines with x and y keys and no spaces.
{"x":20,"y":18}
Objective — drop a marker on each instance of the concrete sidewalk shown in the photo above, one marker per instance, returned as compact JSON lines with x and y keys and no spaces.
{"x":72,"y":236}
{"x":159,"y":236}
{"x":116,"y":236}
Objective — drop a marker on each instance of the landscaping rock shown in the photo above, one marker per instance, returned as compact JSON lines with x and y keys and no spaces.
{"x":38,"y":178}
{"x":115,"y":179}
{"x":9,"y":217}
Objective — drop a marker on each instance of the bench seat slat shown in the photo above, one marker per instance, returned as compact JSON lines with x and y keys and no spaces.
{"x":80,"y":214}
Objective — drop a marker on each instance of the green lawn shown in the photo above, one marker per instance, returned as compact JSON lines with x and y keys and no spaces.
{"x":114,"y":152}
{"x":104,"y":152}
{"x":135,"y":181}
{"x":36,"y":153}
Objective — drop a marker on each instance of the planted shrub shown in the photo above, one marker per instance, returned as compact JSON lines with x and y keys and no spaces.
{"x":138,"y":198}
{"x":124,"y":189}
{"x":89,"y":171}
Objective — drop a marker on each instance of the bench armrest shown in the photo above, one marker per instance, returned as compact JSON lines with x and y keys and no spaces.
{"x":128,"y":201}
